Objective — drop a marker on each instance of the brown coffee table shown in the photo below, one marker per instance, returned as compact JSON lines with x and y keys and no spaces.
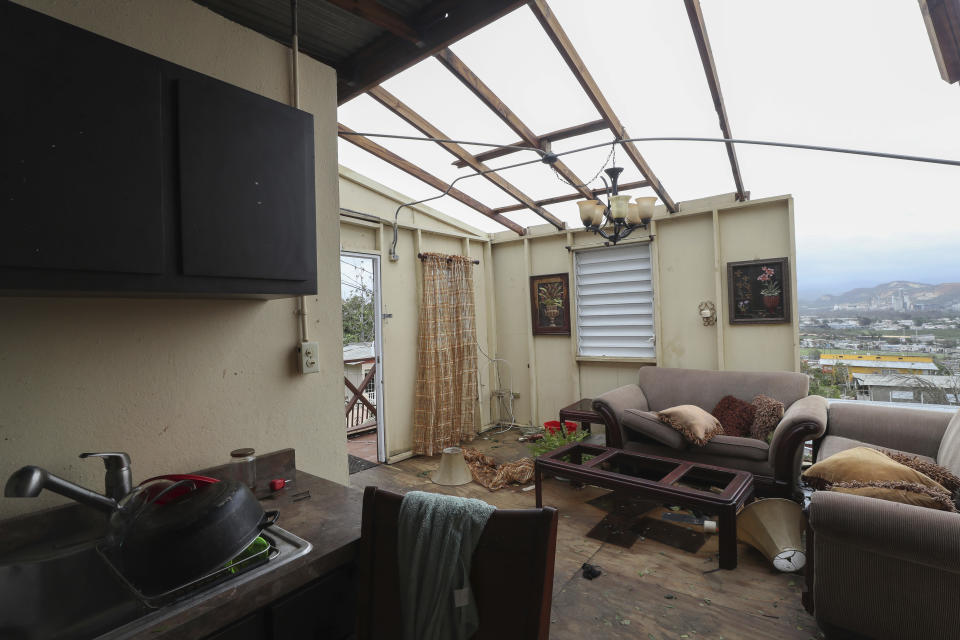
{"x":705,"y":487}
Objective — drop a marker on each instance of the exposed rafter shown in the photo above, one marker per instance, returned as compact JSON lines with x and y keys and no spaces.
{"x":388,"y":156}
{"x":375,"y":13}
{"x":573,"y":196}
{"x":462,"y":72}
{"x":713,"y":80}
{"x":439,"y":24}
{"x":553,"y":136}
{"x":417,"y":121}
{"x":563,"y":44}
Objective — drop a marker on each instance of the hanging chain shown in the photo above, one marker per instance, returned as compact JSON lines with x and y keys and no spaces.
{"x":610,"y":159}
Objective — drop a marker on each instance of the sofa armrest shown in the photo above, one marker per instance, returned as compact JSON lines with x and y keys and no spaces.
{"x":612,"y":404}
{"x":805,"y":419}
{"x":913,"y":534}
{"x":884,"y":426}
{"x":882,"y":569}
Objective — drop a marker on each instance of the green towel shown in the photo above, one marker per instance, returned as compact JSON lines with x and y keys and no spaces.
{"x":436,"y":538}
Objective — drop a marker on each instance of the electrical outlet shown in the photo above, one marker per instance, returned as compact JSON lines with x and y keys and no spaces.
{"x":309,"y":357}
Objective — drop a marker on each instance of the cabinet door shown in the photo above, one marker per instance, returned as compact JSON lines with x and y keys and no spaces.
{"x":246,"y":184}
{"x":323,"y":610}
{"x":81,"y":150}
{"x":253,"y":627}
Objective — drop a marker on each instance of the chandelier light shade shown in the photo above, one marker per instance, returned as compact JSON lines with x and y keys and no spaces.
{"x":619,"y":217}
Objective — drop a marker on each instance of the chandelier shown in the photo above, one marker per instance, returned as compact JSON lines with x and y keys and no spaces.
{"x":619,"y":217}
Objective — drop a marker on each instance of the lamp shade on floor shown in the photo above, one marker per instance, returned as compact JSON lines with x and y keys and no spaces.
{"x":775,"y":528}
{"x":453,"y":468}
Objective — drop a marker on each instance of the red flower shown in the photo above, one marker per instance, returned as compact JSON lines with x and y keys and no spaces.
{"x":553,"y":427}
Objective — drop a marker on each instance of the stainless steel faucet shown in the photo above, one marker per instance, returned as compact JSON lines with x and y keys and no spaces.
{"x":29,"y":481}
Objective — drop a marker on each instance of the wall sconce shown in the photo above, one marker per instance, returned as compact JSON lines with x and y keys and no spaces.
{"x":708,"y":313}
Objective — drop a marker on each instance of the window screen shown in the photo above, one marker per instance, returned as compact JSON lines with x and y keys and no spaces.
{"x":614,"y":289}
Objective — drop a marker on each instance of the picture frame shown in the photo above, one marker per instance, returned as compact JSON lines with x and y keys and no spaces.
{"x":758,"y":291}
{"x":550,"y":304}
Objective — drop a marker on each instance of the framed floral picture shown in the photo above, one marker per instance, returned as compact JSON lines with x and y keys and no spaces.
{"x":550,"y":300}
{"x":758,"y":291}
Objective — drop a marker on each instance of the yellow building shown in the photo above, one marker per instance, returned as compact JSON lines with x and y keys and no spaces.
{"x":879,"y":364}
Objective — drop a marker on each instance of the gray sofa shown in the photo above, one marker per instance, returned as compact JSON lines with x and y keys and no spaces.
{"x":630,"y":424}
{"x":878,"y":568}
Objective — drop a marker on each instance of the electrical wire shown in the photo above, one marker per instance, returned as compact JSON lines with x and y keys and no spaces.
{"x":549,"y":157}
{"x":509,"y":405}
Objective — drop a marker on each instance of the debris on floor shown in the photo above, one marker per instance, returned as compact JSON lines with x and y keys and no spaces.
{"x":589,"y":571}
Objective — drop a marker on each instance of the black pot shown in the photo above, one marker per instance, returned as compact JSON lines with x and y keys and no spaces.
{"x":164,"y":546}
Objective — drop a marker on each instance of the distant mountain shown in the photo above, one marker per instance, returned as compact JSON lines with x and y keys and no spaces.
{"x":934,"y":295}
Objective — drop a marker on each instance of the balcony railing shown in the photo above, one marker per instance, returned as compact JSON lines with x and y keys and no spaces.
{"x":361,"y":413}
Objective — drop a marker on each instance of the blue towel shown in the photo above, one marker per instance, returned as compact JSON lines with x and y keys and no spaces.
{"x":436,"y":538}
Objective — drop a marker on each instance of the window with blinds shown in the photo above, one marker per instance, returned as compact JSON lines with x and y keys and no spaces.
{"x":614,"y":289}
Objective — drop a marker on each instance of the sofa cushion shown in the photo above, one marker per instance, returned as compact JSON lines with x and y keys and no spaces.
{"x":949,"y":454}
{"x":734,"y":447}
{"x":665,"y":387}
{"x":696,"y":425}
{"x":646,"y":423}
{"x":698,"y":454}
{"x":767,"y":414}
{"x":903,"y":492}
{"x":864,"y":464}
{"x":830,"y":445}
{"x":735,"y":416}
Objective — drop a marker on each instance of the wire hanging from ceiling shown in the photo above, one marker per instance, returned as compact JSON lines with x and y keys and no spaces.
{"x":549,"y":158}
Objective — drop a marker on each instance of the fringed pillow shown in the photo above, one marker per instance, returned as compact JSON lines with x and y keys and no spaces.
{"x":694,"y":424}
{"x":863,"y":464}
{"x":903,"y":492}
{"x":735,"y":416}
{"x":767,"y":414}
{"x":932,"y":470}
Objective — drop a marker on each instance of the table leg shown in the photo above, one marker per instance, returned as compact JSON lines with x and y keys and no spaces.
{"x":538,"y":484}
{"x":728,"y":537}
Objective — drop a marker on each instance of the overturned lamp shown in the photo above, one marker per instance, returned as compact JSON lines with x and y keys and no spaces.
{"x":453,"y":468}
{"x":775,"y":528}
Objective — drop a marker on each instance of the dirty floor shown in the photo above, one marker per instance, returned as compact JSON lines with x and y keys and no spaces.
{"x":650,"y":591}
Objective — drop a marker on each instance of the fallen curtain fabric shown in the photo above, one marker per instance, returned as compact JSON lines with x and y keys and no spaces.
{"x":436,"y":538}
{"x":446,"y":392}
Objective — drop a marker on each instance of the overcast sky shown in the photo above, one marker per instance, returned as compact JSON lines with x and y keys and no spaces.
{"x":850,"y":73}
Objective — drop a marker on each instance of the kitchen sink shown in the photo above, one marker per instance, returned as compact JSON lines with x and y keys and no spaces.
{"x":74,"y":593}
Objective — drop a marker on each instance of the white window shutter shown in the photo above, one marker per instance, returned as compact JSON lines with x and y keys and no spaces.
{"x":614,"y":288}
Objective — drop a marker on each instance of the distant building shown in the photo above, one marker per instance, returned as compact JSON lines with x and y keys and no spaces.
{"x":878,"y":364}
{"x":358,"y":358}
{"x":896,"y":388}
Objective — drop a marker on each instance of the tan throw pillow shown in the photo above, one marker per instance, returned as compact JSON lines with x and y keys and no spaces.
{"x":903,"y":492}
{"x":932,"y":470}
{"x":863,"y":464}
{"x":696,"y":425}
{"x":767,"y":414}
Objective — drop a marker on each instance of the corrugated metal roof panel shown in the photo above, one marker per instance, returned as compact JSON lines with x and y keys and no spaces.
{"x":327,"y":33}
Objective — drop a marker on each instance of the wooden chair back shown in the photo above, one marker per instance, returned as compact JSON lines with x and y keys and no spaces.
{"x":511,"y":575}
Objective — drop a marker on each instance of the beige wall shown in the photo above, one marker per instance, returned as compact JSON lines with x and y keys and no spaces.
{"x":178,"y":383}
{"x":689,"y":252}
{"x":423,"y":229}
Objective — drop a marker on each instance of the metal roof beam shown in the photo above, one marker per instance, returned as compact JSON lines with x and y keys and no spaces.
{"x":419,"y":123}
{"x":408,"y":167}
{"x":713,"y":80}
{"x":553,"y":136}
{"x":573,"y":196}
{"x":564,"y":46}
{"x":486,"y":95}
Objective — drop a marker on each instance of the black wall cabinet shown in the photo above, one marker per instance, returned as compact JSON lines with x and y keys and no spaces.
{"x":125,"y":174}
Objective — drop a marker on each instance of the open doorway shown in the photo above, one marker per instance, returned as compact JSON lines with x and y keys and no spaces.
{"x":362,"y":359}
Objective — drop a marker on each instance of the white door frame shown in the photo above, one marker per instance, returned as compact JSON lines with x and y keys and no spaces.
{"x":377,"y":349}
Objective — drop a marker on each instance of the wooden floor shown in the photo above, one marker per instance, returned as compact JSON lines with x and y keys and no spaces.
{"x":651,"y":591}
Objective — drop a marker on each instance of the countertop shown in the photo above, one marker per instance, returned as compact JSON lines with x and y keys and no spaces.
{"x":329,"y":520}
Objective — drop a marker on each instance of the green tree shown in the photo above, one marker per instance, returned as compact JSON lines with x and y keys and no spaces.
{"x":863,"y":321}
{"x":917,"y":321}
{"x":358,"y":318}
